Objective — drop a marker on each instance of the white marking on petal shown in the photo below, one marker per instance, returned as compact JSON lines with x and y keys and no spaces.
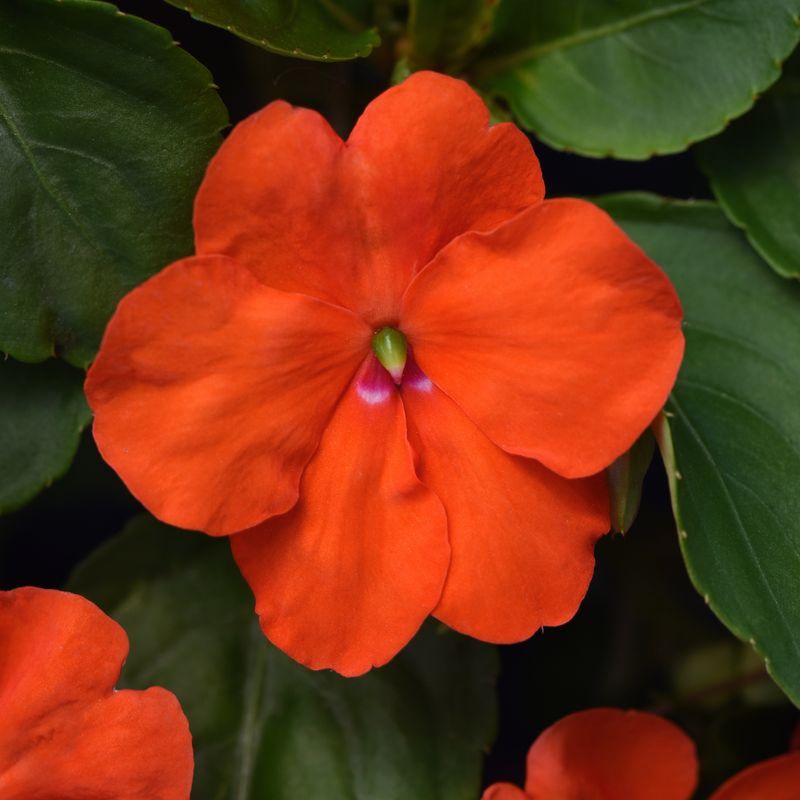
{"x":420,"y":382}
{"x":373,"y":394}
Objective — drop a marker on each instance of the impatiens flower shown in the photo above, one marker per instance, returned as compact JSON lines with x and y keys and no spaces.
{"x":608,"y":754}
{"x":775,"y":779}
{"x":392,"y":373}
{"x":64,"y":731}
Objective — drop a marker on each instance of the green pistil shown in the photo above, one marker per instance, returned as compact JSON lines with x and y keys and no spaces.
{"x":390,"y":348}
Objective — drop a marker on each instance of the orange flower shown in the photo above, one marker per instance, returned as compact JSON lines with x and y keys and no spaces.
{"x":64,"y":730}
{"x":607,"y":754}
{"x":393,"y":372}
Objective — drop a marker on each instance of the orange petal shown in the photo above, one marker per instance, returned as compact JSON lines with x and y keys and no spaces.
{"x":275,"y":199}
{"x":211,"y":392}
{"x":346,"y":578}
{"x":504,"y":791}
{"x":554,"y":333}
{"x":352,"y":223}
{"x":428,"y":168}
{"x":522,"y":537}
{"x":605,"y":752}
{"x":64,"y":732}
{"x":775,"y":779}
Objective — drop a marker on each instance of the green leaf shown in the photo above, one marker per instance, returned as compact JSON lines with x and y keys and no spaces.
{"x":442,"y":33}
{"x":631,"y":78}
{"x":322,"y":30}
{"x":105,"y":130}
{"x":755,"y":173}
{"x":731,"y":435}
{"x":265,"y":727}
{"x":42,"y":414}
{"x":625,"y":478}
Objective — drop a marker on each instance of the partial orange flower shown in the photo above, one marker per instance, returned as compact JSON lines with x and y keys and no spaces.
{"x":608,"y":754}
{"x":775,"y":779}
{"x":392,"y":373}
{"x":64,"y":730}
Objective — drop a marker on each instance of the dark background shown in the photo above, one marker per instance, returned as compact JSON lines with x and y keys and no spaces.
{"x":641,"y":629}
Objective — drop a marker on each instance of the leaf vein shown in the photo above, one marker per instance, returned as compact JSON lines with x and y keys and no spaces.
{"x":51,"y":191}
{"x":518,"y":59}
{"x":743,"y":405}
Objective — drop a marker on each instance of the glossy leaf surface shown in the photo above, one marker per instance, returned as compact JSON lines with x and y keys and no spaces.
{"x":731,"y":435}
{"x":631,"y":78}
{"x":264,"y":726}
{"x":325,"y":30}
{"x":754,"y":168}
{"x":105,"y":131}
{"x":42,"y":414}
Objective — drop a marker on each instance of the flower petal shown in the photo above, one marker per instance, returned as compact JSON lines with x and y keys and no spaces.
{"x":504,"y":791}
{"x":605,"y":752}
{"x":775,"y":779}
{"x":211,"y":392}
{"x":275,"y":198}
{"x":429,"y":167}
{"x":522,"y":537}
{"x":346,"y":578}
{"x":46,"y":631}
{"x":555,"y":334}
{"x":352,"y":223}
{"x":64,"y":732}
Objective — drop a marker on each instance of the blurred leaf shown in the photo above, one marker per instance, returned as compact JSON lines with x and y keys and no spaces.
{"x":731,"y":438}
{"x":266,"y":727}
{"x":41,"y":543}
{"x":401,"y":70}
{"x":755,"y":173}
{"x":442,"y":33}
{"x":631,"y":78}
{"x":105,"y":131}
{"x":625,"y":478}
{"x":323,"y":30}
{"x":42,"y":414}
{"x":714,"y":675}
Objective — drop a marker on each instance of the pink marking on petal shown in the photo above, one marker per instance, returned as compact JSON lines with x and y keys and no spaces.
{"x":374,"y":385}
{"x":415,"y":378}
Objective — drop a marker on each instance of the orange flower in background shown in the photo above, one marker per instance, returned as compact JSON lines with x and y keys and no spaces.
{"x":64,"y":731}
{"x":392,"y":374}
{"x":775,"y":779}
{"x":608,"y":754}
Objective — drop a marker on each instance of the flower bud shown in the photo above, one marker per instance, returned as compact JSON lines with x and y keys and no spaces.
{"x":390,"y":348}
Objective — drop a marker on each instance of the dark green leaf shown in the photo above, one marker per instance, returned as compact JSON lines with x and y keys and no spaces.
{"x":42,"y":413}
{"x":323,"y":30}
{"x":631,"y":78}
{"x":755,"y":173}
{"x":105,"y":130}
{"x":731,"y":438}
{"x":265,"y":727}
{"x":442,"y":33}
{"x":625,"y":478}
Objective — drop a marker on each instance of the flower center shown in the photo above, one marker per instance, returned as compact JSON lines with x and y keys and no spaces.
{"x":391,"y":350}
